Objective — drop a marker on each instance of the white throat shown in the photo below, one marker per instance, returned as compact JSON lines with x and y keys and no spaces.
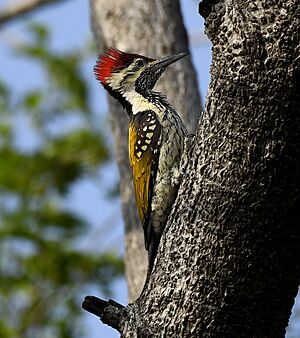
{"x":139,"y":102}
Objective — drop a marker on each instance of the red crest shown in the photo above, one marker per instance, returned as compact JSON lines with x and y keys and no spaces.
{"x":113,"y":60}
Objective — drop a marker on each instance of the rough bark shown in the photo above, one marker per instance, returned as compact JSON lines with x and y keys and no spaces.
{"x":228,"y":264}
{"x":152,"y":28}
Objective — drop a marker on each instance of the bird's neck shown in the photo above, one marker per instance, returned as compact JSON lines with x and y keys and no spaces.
{"x":140,"y":101}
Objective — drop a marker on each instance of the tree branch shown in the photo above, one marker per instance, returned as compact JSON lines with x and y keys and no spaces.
{"x":110,"y":312}
{"x":123,"y":319}
{"x":16,"y":10}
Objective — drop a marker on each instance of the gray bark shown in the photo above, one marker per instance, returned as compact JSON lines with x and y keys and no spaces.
{"x":155,"y":29}
{"x":228,"y":264}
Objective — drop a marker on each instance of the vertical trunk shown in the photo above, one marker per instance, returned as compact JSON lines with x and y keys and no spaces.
{"x":230,"y":260}
{"x":152,"y":28}
{"x":228,"y":264}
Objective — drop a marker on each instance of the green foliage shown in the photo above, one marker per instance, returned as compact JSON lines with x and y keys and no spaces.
{"x":64,"y":81}
{"x":43,"y":274}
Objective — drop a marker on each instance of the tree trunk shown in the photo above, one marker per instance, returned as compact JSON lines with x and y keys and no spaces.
{"x":152,"y":28}
{"x":228,"y":264}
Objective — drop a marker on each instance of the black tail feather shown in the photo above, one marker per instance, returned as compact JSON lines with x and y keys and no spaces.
{"x":152,"y":251}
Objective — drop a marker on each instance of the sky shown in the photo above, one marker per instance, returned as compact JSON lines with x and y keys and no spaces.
{"x":72,"y":32}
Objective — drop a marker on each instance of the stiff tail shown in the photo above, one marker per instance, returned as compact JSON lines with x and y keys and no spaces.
{"x":152,"y":251}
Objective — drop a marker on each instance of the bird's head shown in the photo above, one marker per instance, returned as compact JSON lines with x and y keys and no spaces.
{"x":122,"y":72}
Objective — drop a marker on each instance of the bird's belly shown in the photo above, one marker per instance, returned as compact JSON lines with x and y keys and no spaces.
{"x":163,"y":199}
{"x":165,"y":191}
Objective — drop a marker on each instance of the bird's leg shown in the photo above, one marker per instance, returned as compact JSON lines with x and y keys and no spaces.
{"x":178,"y":173}
{"x":176,"y":176}
{"x":188,"y":141}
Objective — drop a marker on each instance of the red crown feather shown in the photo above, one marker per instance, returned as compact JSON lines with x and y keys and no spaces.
{"x":113,"y":60}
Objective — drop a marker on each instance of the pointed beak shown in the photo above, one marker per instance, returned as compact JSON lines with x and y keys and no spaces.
{"x":165,"y":62}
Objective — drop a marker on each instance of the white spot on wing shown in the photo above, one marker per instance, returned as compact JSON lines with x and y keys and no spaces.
{"x":149,"y":135}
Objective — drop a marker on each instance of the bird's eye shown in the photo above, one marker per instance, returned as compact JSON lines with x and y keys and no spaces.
{"x":139,"y":63}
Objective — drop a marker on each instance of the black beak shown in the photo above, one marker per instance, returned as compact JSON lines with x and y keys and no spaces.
{"x":165,"y":62}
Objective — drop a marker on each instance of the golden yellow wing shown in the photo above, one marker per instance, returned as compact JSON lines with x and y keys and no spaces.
{"x":141,"y":171}
{"x":144,"y":133}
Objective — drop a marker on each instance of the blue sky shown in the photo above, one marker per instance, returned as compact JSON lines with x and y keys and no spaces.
{"x":72,"y":31}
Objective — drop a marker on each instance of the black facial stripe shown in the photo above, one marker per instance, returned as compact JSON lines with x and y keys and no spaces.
{"x":117,"y":95}
{"x":148,"y":79}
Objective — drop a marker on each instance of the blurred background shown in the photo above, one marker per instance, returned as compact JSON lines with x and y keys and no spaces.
{"x":61,"y":229}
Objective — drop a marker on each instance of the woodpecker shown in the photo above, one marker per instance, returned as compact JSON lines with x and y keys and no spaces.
{"x":156,"y":136}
